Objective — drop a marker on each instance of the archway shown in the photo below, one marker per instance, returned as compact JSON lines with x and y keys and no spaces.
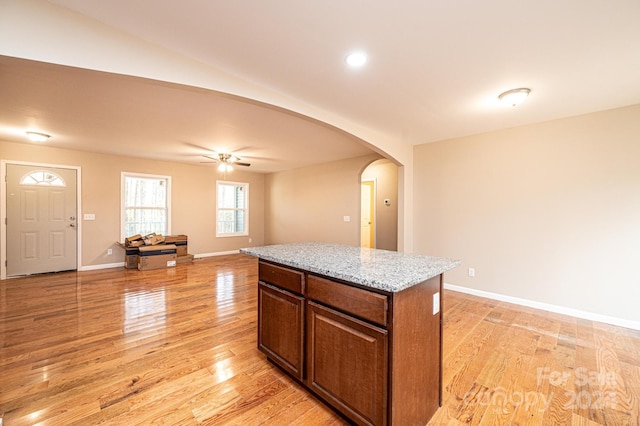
{"x":379,"y":205}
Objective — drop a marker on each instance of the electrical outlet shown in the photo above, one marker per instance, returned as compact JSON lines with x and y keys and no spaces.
{"x":472,"y":272}
{"x":347,"y":218}
{"x":109,"y":252}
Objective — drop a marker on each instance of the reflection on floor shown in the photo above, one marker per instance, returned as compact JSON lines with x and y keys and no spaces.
{"x":178,"y":346}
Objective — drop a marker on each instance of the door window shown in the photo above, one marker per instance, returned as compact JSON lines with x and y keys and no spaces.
{"x":42,"y":178}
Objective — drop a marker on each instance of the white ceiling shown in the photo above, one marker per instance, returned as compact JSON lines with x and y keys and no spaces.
{"x":123,"y":115}
{"x":435,"y":69}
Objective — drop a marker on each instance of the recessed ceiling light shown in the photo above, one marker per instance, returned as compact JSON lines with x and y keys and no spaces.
{"x":356,"y":59}
{"x":37,"y":136}
{"x":514,"y":97}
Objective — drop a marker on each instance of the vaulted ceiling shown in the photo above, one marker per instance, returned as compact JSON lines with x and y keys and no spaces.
{"x":435,"y":70}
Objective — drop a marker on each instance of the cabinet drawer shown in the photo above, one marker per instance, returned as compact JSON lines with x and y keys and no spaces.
{"x":355,"y":301}
{"x":282,"y":277}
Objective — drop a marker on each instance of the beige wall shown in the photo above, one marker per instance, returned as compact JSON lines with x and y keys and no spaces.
{"x":548,"y":212}
{"x":309,"y":204}
{"x":385,"y":174}
{"x":193,"y":199}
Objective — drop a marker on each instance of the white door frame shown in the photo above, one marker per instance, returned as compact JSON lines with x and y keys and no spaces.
{"x":3,"y":210}
{"x":374,"y":213}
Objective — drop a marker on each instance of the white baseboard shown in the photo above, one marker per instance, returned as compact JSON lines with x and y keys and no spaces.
{"x":621,"y":322}
{"x":101,"y":266}
{"x":219,"y":253}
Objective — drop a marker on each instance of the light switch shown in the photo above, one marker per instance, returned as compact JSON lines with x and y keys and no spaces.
{"x":436,"y":303}
{"x":89,"y":216}
{"x":347,"y":218}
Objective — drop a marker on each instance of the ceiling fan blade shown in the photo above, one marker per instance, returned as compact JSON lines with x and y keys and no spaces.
{"x":242,"y":164}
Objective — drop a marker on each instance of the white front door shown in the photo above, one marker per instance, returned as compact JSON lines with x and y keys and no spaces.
{"x":41,"y":219}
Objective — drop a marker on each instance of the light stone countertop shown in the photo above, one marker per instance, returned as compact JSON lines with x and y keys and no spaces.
{"x":381,"y":269}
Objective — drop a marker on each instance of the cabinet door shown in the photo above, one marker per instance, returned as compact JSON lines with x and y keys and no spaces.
{"x":347,"y":364}
{"x":281,"y":327}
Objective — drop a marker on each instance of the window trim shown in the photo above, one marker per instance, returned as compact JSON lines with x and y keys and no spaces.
{"x":246,"y":209}
{"x":123,"y":175}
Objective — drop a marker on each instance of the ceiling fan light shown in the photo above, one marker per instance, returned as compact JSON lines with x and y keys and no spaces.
{"x":514,"y":97}
{"x":226,"y":161}
{"x":37,"y":136}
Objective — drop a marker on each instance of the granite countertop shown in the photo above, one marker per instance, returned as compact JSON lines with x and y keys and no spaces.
{"x":381,"y":269}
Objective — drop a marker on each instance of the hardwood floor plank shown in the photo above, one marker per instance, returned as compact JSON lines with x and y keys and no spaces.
{"x":178,"y":346}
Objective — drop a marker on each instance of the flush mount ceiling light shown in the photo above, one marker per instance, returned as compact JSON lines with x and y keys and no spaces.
{"x":37,"y":136}
{"x":514,"y":97}
{"x":356,"y":59}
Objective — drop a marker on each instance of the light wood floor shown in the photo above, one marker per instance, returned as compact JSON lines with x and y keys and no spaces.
{"x":178,"y":346}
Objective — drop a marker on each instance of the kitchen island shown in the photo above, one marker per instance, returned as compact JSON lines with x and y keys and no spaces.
{"x":360,"y":328}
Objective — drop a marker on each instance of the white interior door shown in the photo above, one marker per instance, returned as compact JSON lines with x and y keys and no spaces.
{"x":41,"y":219}
{"x":367,"y":226}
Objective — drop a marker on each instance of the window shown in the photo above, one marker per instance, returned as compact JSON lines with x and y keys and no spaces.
{"x":42,"y":178}
{"x":233,"y":209}
{"x":145,"y":204}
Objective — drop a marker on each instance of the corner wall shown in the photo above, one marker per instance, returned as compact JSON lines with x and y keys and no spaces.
{"x":310,"y":203}
{"x":548,"y":213}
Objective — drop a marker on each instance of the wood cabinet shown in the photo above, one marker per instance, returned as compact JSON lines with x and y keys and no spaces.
{"x":281,"y":317}
{"x":281,"y":328}
{"x":347,"y":363}
{"x":372,"y":355}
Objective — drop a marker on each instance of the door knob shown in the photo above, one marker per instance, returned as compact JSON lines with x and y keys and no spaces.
{"x":72,"y":218}
{"x":73,"y":225}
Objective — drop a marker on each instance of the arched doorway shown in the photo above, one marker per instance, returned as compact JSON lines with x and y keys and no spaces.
{"x":379,"y":205}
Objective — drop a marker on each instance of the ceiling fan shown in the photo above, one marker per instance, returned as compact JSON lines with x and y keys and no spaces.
{"x":226,"y":161}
